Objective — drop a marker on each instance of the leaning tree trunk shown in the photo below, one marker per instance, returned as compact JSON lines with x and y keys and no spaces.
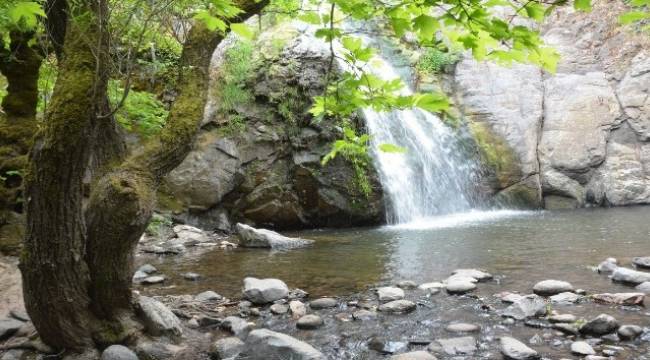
{"x":55,"y":275}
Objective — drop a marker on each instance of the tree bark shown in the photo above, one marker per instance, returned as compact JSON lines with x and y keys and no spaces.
{"x":55,"y":275}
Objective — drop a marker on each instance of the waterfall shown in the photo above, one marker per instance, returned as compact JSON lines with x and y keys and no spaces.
{"x":434,"y":176}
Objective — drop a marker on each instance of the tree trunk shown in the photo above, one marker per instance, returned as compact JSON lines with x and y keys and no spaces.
{"x":55,"y":275}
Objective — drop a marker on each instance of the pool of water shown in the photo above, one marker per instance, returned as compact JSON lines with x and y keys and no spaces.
{"x":520,"y":248}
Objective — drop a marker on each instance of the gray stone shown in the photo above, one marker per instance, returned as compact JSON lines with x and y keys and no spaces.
{"x":388,"y":293}
{"x":407,"y":284}
{"x":552,"y":287}
{"x":566,"y":298}
{"x":191,"y":276}
{"x":263,"y":291}
{"x":298,"y":309}
{"x":459,"y":286}
{"x":603,"y":324}
{"x":473,"y":273}
{"x":139,"y":276}
{"x":309,"y":322}
{"x":147,"y":269}
{"x":190,"y":235}
{"x":226,"y":348}
{"x":397,"y":307}
{"x":436,"y":286}
{"x":262,"y":238}
{"x":364,"y":315}
{"x":582,"y":348}
{"x":620,"y":298}
{"x":608,"y":266}
{"x":516,"y":350}
{"x":12,"y":355}
{"x":208,"y":296}
{"x":526,"y":307}
{"x":263,"y":344}
{"x":157,"y":350}
{"x":414,"y":355}
{"x":237,"y":326}
{"x":323,"y":303}
{"x":465,"y":345}
{"x":644,"y":287}
{"x":152,"y":280}
{"x":630,"y":276}
{"x":463,"y":328}
{"x":118,"y":352}
{"x":158,"y":319}
{"x":629,"y":332}
{"x":562,"y":318}
{"x":642,"y":262}
{"x":8,"y":327}
{"x":279,"y":309}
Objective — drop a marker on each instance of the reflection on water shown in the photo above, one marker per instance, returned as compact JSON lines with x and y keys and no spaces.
{"x":521,"y":247}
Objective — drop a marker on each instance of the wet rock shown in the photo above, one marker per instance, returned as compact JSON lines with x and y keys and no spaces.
{"x":263,"y":291}
{"x":619,"y":298}
{"x":263,"y":238}
{"x":397,"y":307}
{"x":601,"y":325}
{"x":414,"y":355}
{"x":431,"y":286}
{"x":147,"y":269}
{"x":8,"y":327}
{"x":582,"y":348}
{"x":459,"y":286}
{"x":407,"y":284}
{"x":508,"y":297}
{"x":516,"y":350}
{"x":152,"y":280}
{"x":526,"y":307}
{"x":19,"y":315}
{"x":297,"y":308}
{"x":191,"y":276}
{"x":343,"y":317}
{"x":139,"y":276}
{"x":208,"y":296}
{"x":157,"y":350}
{"x":309,"y":322}
{"x":208,"y":321}
{"x":297,"y":294}
{"x":552,"y":287}
{"x":473,"y":273}
{"x":323,"y":303}
{"x":630,"y":276}
{"x":364,"y":315}
{"x":463,"y":328}
{"x":279,"y":309}
{"x":13,"y":355}
{"x":158,"y":319}
{"x":226,"y":348}
{"x":642,"y":262}
{"x":390,"y":293}
{"x":190,"y":235}
{"x":237,"y":326}
{"x":643,"y":287}
{"x":562,"y":318}
{"x":608,"y":266}
{"x":263,"y":344}
{"x":629,"y":332}
{"x":565,"y":298}
{"x":118,"y":352}
{"x":596,"y":357}
{"x":465,"y":345}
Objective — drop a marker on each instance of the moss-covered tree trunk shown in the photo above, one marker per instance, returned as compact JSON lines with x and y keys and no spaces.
{"x":77,"y":266}
{"x":20,"y":65}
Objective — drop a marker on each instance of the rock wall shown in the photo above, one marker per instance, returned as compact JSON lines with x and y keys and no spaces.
{"x":257,"y":159}
{"x":580,"y":137}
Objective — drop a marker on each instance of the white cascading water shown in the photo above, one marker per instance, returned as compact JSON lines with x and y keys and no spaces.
{"x":434,"y":176}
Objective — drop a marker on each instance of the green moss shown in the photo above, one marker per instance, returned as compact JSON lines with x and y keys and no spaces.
{"x":434,"y":61}
{"x":169,"y":203}
{"x":496,"y":153}
{"x":236,"y":125}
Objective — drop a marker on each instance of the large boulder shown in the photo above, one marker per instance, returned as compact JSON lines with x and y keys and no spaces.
{"x":552,"y":287}
{"x":602,"y":324}
{"x":516,"y":350}
{"x":158,"y":319}
{"x":265,"y":344}
{"x":264,"y":291}
{"x":118,"y":352}
{"x":630,"y":276}
{"x":263,"y":238}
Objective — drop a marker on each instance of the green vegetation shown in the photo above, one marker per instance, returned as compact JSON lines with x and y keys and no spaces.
{"x":141,"y":112}
{"x":236,"y":70}
{"x":434,"y":61}
{"x":236,"y":125}
{"x":157,"y":225}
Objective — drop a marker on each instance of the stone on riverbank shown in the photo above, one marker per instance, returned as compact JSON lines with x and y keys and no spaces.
{"x":298,"y":309}
{"x":526,"y":307}
{"x":226,"y":348}
{"x":630,"y":276}
{"x":463,"y":328}
{"x":582,"y":348}
{"x":562,"y":318}
{"x":118,"y":352}
{"x":414,"y":355}
{"x":152,"y":280}
{"x":465,"y":345}
{"x":364,"y":315}
{"x":263,"y":291}
{"x":565,"y":298}
{"x":147,"y":269}
{"x":406,"y":284}
{"x":552,"y":287}
{"x":516,"y":350}
{"x":263,"y":344}
{"x":432,"y":286}
{"x":237,"y":326}
{"x":629,"y":332}
{"x":208,"y":296}
{"x":397,"y":307}
{"x":643,"y":287}
{"x":279,"y":309}
{"x":323,"y":303}
{"x":642,"y":262}
{"x":472,"y":273}
{"x":158,"y":319}
{"x":263,"y":238}
{"x":607,"y":266}
{"x":602,"y":324}
{"x":457,"y":286}
{"x":620,"y":298}
{"x":309,"y":322}
{"x":389,"y":293}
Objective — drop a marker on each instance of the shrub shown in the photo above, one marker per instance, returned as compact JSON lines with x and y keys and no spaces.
{"x":434,"y":61}
{"x":141,"y":111}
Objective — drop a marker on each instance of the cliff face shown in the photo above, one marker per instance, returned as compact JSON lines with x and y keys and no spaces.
{"x":579,"y":137}
{"x":258,"y":155}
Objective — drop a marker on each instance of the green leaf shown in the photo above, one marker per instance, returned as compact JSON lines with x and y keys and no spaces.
{"x":633,"y":16}
{"x":25,"y":14}
{"x":310,"y":17}
{"x":535,"y":11}
{"x":584,"y":5}
{"x":391,"y":148}
{"x":426,"y":26}
{"x":432,"y":102}
{"x":211,"y":22}
{"x":242,"y":30}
